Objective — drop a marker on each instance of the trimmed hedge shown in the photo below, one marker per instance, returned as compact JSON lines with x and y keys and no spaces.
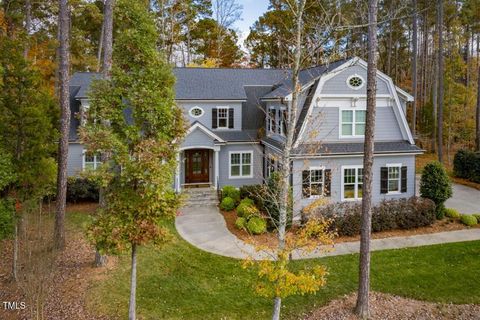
{"x":388,"y":215}
{"x":81,"y":190}
{"x":477,"y":215}
{"x":435,"y":185}
{"x":240,"y":223}
{"x":469,"y":220}
{"x":227,"y":204}
{"x":466,"y":165}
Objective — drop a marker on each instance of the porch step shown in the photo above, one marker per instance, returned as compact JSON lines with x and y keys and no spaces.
{"x":201,"y":197}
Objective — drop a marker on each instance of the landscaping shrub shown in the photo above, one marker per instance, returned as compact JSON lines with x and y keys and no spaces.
{"x":271,"y":205}
{"x":465,"y":163}
{"x":227,"y":204}
{"x":247,"y":210}
{"x":7,"y":218}
{"x":477,"y":215}
{"x":231,"y":192}
{"x":256,"y":192}
{"x":388,"y":215}
{"x":435,"y":185}
{"x":256,"y":225}
{"x":240,"y":223}
{"x":469,"y":220}
{"x":247,"y":201}
{"x":81,"y":190}
{"x":452,"y":213}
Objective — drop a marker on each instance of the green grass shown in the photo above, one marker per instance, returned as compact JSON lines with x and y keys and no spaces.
{"x":182,"y":282}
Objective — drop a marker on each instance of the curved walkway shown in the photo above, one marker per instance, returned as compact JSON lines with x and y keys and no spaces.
{"x":205,"y":228}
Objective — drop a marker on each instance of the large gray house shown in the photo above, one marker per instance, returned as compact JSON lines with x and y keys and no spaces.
{"x":237,"y":130}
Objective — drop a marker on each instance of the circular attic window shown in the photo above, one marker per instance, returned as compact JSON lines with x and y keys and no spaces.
{"x":355,"y":82}
{"x":196,"y":112}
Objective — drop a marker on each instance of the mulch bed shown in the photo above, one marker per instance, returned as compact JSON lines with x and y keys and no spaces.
{"x":270,"y":238}
{"x":386,"y":307}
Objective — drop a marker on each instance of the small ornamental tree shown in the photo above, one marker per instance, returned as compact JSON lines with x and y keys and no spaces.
{"x":133,"y":119}
{"x":436,"y":185}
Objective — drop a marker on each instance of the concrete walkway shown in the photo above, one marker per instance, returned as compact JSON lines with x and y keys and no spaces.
{"x":205,"y":228}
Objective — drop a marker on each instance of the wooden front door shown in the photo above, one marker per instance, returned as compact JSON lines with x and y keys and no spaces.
{"x":196,"y":166}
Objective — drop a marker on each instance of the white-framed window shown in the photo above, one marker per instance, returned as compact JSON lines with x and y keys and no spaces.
{"x":222,"y":117}
{"x":352,"y":122}
{"x":91,"y":161}
{"x":352,"y":183}
{"x":355,"y":82}
{"x":394,"y":178}
{"x":196,"y":112}
{"x":241,"y":164}
{"x":314,"y":182}
{"x":272,"y":120}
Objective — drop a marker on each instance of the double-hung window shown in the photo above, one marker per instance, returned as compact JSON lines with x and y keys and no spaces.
{"x":393,"y":179}
{"x":241,"y":164}
{"x":316,"y":182}
{"x":352,"y":183}
{"x":282,"y":123}
{"x":271,"y":165}
{"x":222,"y":118}
{"x":91,"y":161}
{"x":352,"y":123}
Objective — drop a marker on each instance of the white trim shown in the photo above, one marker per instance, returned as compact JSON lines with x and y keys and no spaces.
{"x":405,"y":94}
{"x":350,"y":95}
{"x":355,"y":76}
{"x":210,"y":100}
{"x":199,"y":147}
{"x":216,"y":168}
{"x":193,"y":108}
{"x":204,"y":129}
{"x":354,"y":155}
{"x":342,"y":183}
{"x":399,"y":166}
{"x":310,"y":169}
{"x":96,"y":162}
{"x":230,"y":164}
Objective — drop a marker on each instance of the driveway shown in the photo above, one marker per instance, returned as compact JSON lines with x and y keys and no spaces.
{"x":464,"y":199}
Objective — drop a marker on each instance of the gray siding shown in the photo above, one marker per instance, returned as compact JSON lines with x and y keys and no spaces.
{"x":257,"y":164}
{"x":335,"y":164}
{"x":338,"y":84}
{"x":197,"y":138}
{"x":323,"y":125}
{"x":75,"y":159}
{"x":206,"y":118}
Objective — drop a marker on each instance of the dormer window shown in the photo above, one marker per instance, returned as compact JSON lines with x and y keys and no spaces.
{"x":223,"y":118}
{"x":352,"y":123}
{"x":355,"y":82}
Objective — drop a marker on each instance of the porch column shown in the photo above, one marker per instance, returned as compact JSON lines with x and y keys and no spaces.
{"x":177,"y":173}
{"x":216,"y":150}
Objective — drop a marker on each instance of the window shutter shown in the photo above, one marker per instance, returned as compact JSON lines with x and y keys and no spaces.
{"x":306,"y":183}
{"x":328,"y":182}
{"x":404,"y":179}
{"x":230,"y":118}
{"x":214,"y":118}
{"x":383,"y":180}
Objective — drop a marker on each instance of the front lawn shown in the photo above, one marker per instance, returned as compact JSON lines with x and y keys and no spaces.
{"x":182,"y":282}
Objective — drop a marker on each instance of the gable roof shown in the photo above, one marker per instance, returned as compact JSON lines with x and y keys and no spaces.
{"x":83,"y":80}
{"x":222,"y":84}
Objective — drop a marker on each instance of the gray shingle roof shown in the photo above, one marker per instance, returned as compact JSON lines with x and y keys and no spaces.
{"x":305,"y":76}
{"x":222,"y":84}
{"x":353,"y":147}
{"x":244,"y":135}
{"x":83,"y":80}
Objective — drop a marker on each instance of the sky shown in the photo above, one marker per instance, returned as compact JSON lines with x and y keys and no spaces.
{"x":252,"y":9}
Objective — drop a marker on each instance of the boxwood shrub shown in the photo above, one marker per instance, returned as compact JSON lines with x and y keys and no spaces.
{"x":247,"y":210}
{"x":227,"y":204}
{"x":231,"y":192}
{"x":452,"y":213}
{"x":388,"y":215}
{"x":469,"y":220}
{"x":240,"y":223}
{"x":477,"y":215}
{"x":435,"y":185}
{"x":256,"y":225}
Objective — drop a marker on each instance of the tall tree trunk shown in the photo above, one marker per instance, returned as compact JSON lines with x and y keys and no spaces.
{"x":362,"y":307}
{"x":15,"y":253}
{"x":440,"y":81}
{"x":414,"y":67}
{"x":63,"y":25}
{"x":28,"y":26}
{"x":101,"y":260}
{"x":100,"y":46}
{"x":286,"y":155}
{"x":477,"y":118}
{"x":133,"y":285}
